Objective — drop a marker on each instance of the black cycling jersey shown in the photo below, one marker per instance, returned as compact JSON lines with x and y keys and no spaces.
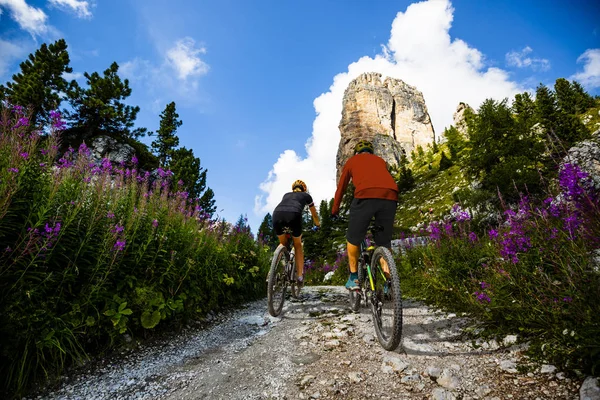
{"x":295,"y":202}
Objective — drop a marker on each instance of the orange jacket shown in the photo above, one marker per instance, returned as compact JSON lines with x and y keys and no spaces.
{"x":370,"y":177}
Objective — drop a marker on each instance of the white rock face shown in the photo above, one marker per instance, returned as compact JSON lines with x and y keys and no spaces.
{"x":586,"y":155}
{"x":388,"y":112}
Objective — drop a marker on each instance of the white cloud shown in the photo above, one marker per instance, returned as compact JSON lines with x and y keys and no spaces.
{"x":69,"y":76}
{"x":590,"y":76}
{"x":183,"y":57}
{"x":80,"y":7}
{"x":421,"y":52}
{"x":9,"y":52}
{"x":177,"y":76}
{"x":29,"y":18}
{"x":521,"y":59}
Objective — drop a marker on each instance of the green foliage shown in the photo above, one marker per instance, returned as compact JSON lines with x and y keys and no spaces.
{"x":40,"y":83}
{"x":166,"y":138}
{"x":501,"y":155}
{"x":99,"y":108}
{"x":89,"y":254}
{"x":533,"y":276}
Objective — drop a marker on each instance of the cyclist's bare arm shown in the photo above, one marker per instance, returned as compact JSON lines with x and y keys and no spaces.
{"x":315,"y":216}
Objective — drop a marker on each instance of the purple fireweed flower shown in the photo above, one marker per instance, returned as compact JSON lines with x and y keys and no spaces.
{"x":134,"y":160}
{"x":493,"y":234}
{"x":110,"y":215}
{"x":482,"y":297}
{"x":18,"y":110}
{"x":119,"y":245}
{"x":484,"y":285}
{"x":448,"y":229}
{"x":473,"y":237}
{"x":15,"y":170}
{"x":460,"y":214}
{"x":434,"y":231}
{"x":64,"y":163}
{"x":155,"y":223}
{"x":57,"y":122}
{"x":83,"y":149}
{"x":106,"y":165}
{"x":44,"y":152}
{"x":571,"y":223}
{"x":22,"y":122}
{"x":7,"y":249}
{"x":117,"y":229}
{"x":24,"y":154}
{"x":572,"y":181}
{"x":180,"y":183}
{"x":42,"y":165}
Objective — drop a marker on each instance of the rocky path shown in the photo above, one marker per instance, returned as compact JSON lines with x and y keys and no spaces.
{"x":320,"y":349}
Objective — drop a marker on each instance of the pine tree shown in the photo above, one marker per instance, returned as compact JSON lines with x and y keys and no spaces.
{"x":524,"y":110}
{"x":566,"y":97}
{"x":455,"y":141}
{"x":445,"y":162}
{"x":40,"y":84}
{"x":207,"y":202}
{"x":188,"y":173}
{"x":242,"y":224}
{"x":166,"y":138}
{"x":266,"y":232}
{"x":100,"y":109}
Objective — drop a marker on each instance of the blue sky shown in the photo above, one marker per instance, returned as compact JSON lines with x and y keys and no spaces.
{"x":258,"y":84}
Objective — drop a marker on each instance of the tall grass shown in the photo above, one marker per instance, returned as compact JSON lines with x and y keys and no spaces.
{"x":91,"y":251}
{"x":537,"y":273}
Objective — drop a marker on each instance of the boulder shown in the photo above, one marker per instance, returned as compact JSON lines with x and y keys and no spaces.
{"x":107,"y":147}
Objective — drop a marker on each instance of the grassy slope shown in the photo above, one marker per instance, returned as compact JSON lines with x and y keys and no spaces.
{"x":433,"y":189}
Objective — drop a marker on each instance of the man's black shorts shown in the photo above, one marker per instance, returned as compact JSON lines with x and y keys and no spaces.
{"x":361,"y":212}
{"x":287,"y":219}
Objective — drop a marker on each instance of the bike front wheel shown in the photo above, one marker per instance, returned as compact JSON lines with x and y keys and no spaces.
{"x":278,"y":282}
{"x":386,"y":301}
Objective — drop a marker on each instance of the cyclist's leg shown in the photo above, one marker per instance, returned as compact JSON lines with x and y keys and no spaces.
{"x":358,"y":224}
{"x":296,"y":227}
{"x":384,"y":217}
{"x":278,"y":227}
{"x":299,"y":256}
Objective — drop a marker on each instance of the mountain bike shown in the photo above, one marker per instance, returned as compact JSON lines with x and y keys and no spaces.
{"x":381,"y":292}
{"x":282,"y":274}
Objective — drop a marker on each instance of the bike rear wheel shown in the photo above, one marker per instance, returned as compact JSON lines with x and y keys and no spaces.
{"x":386,"y":301}
{"x":278,"y":281}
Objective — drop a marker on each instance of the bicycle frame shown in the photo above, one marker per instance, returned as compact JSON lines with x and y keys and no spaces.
{"x":366,"y":253}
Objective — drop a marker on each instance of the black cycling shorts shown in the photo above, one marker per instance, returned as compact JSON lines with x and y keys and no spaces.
{"x":287,"y":219}
{"x":361,"y":213}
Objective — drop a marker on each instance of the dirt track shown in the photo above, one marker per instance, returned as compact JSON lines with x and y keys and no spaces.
{"x":320,"y":349}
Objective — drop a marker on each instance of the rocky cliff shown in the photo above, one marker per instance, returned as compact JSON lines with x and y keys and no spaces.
{"x":388,"y":112}
{"x":459,"y":118}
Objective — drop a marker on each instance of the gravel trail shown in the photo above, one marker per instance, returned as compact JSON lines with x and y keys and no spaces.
{"x":317,"y":349}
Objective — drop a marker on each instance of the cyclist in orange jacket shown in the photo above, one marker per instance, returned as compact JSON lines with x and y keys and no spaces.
{"x":375,"y":195}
